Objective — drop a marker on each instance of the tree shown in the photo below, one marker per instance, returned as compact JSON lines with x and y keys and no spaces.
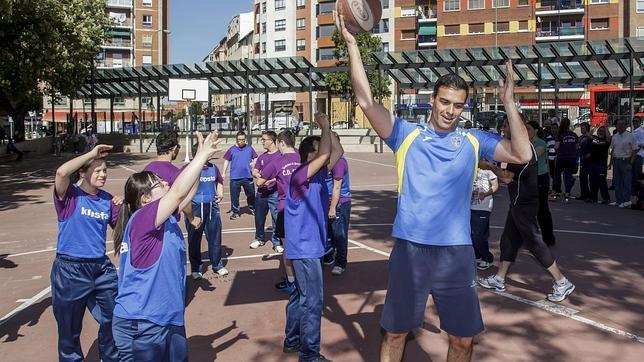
{"x":47,"y":46}
{"x":339,"y":83}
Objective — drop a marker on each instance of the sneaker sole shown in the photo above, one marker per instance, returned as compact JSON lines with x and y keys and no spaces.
{"x":566,"y":294}
{"x":489,"y":287}
{"x":483,"y":267}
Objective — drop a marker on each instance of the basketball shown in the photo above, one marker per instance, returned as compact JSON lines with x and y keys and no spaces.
{"x":359,"y":15}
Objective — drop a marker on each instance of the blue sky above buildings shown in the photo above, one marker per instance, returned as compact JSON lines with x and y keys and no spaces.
{"x":196,"y":26}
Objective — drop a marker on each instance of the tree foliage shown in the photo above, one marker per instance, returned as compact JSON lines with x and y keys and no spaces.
{"x":339,"y":83}
{"x":47,"y":45}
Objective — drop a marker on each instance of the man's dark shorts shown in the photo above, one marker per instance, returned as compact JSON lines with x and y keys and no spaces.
{"x":447,"y":273}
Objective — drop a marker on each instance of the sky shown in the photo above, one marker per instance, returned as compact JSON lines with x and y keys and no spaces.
{"x":196,"y":26}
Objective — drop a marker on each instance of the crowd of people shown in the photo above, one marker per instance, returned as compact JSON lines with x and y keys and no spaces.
{"x":140,"y":307}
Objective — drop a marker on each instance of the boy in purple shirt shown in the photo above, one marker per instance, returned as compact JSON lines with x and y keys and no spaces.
{"x":240,"y":157}
{"x":266,"y":197}
{"x":339,"y":186}
{"x":279,"y":172}
{"x":167,"y":150}
{"x":306,"y":208}
{"x":82,"y":276}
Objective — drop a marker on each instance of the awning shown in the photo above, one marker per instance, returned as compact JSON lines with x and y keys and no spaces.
{"x":427,"y":30}
{"x":120,"y":33}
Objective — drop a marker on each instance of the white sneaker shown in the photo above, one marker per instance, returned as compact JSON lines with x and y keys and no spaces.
{"x":482,"y":265}
{"x":492,"y":282}
{"x":256,"y":244}
{"x":614,"y":203}
{"x":560,"y":291}
{"x":279,"y":249}
{"x":197,"y":275}
{"x":337,"y":270}
{"x":625,"y":205}
{"x":222,"y":272}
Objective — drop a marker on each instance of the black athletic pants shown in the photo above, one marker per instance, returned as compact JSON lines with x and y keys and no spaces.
{"x":522,"y":229}
{"x":543,"y":215}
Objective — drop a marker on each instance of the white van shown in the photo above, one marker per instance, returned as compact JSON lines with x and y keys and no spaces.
{"x":219,"y":122}
{"x":276,"y":123}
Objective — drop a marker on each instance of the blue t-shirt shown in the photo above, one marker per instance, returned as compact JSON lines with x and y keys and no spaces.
{"x":240,"y":159}
{"x":435,"y":176}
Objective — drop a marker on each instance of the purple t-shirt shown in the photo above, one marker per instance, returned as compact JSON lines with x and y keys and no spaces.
{"x":300,"y":181}
{"x":262,"y":161}
{"x":281,"y":170}
{"x":340,"y":169}
{"x":165,"y":170}
{"x":65,"y":207}
{"x":567,"y":146}
{"x":146,"y":240}
{"x":240,"y":159}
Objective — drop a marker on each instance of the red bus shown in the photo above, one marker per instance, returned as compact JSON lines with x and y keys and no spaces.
{"x":610,"y":103}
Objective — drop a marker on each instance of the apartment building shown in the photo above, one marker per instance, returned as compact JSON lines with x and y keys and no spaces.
{"x":218,"y":54}
{"x":138,"y":36}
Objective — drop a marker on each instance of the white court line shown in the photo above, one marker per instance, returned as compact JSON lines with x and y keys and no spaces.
{"x":371,"y":162}
{"x":543,"y":305}
{"x":127,"y":168}
{"x":362,"y":186}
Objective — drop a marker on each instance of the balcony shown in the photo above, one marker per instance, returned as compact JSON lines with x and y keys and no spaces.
{"x":113,"y":63}
{"x":121,"y":23}
{"x":425,"y":41}
{"x":119,"y":4}
{"x":563,"y":33}
{"x":117,"y":44}
{"x":427,"y":14}
{"x":560,"y":7}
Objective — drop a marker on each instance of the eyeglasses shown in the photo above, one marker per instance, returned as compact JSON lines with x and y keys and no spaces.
{"x":155,"y":185}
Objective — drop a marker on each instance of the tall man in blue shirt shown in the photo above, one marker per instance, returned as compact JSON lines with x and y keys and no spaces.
{"x":436,"y":165}
{"x":240,"y":157}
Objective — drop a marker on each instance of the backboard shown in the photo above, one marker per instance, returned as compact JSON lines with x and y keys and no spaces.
{"x":188,"y":89}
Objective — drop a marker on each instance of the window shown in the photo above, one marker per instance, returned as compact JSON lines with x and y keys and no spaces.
{"x":599,"y":1}
{"x":599,"y":24}
{"x":147,"y":20}
{"x":60,"y":101}
{"x":325,"y":30}
{"x":147,"y":59}
{"x":147,"y":41}
{"x":381,"y":27}
{"x":501,"y":3}
{"x":385,"y":4}
{"x":264,"y":28}
{"x":640,"y":6}
{"x":300,"y":45}
{"x":476,"y":4}
{"x":325,"y":54}
{"x":147,"y":3}
{"x":325,"y":8}
{"x":523,"y":25}
{"x":264,"y":7}
{"x":263,"y":47}
{"x":300,"y":23}
{"x":452,"y":29}
{"x":502,"y":27}
{"x":280,"y":45}
{"x":301,"y":4}
{"x":477,"y":28}
{"x":280,"y":25}
{"x":279,"y":5}
{"x":119,"y":101}
{"x":640,"y":32}
{"x":523,"y":3}
{"x":385,"y":47}
{"x":451,"y":5}
{"x":408,"y":34}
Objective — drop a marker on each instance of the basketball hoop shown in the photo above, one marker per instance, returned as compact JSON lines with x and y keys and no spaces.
{"x":188,"y":90}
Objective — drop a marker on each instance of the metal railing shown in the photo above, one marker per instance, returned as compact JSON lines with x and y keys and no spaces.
{"x":426,"y":39}
{"x":564,"y":31}
{"x":560,"y":5}
{"x":119,"y":2}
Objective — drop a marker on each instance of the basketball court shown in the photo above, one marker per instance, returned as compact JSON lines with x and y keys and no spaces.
{"x":240,"y":317}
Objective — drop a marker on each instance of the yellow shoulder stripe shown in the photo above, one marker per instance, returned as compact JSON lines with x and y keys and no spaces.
{"x":475,"y":143}
{"x":401,"y":154}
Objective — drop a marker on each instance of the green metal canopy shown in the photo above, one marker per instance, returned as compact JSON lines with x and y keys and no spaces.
{"x":427,"y":30}
{"x":538,"y":65}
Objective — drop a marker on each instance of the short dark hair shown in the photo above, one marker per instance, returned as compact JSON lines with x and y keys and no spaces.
{"x":306,"y":147}
{"x":166,"y":140}
{"x":271,"y":134}
{"x":453,"y":81}
{"x":240,"y":133}
{"x":584,"y":124}
{"x":288,"y":137}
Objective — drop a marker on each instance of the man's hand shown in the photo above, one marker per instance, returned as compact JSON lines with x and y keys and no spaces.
{"x":195,"y":222}
{"x":322,"y":120}
{"x":482,"y":195}
{"x":506,"y":86}
{"x":332,"y":214}
{"x":346,"y":35}
{"x":485,"y":165}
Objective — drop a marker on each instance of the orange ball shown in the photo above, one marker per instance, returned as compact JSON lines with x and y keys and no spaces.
{"x":359,"y":15}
